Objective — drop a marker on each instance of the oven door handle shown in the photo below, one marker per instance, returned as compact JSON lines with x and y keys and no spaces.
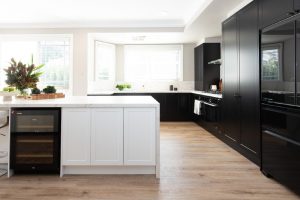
{"x":209,"y":104}
{"x":281,"y":137}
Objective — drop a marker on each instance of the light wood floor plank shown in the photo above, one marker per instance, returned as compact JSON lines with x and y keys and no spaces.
{"x":195,"y":166}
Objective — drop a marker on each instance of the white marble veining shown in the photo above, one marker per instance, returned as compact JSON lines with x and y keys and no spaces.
{"x":85,"y":101}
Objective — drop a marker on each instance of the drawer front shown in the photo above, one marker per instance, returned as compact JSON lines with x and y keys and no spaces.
{"x":281,"y":120}
{"x":281,"y":159}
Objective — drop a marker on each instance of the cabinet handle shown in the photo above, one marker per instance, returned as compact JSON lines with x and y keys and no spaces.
{"x":237,"y":95}
{"x":281,"y":137}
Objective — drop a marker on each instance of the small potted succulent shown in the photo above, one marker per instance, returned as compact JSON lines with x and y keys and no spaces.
{"x":50,"y":90}
{"x":121,"y":87}
{"x":35,"y":91}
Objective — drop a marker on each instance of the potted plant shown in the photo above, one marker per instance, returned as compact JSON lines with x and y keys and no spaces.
{"x":121,"y":87}
{"x":50,"y":90}
{"x":22,"y":76}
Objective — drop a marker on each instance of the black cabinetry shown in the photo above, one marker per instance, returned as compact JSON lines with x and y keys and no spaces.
{"x":272,"y":11}
{"x":210,"y":113}
{"x":231,"y":103}
{"x":173,"y":106}
{"x":178,"y":107}
{"x":240,"y":119}
{"x":206,"y":74}
{"x":249,"y":78}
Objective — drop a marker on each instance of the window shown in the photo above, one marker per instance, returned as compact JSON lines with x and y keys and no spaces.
{"x":272,"y":62}
{"x":105,"y":59}
{"x":53,"y":51}
{"x":153,"y":62}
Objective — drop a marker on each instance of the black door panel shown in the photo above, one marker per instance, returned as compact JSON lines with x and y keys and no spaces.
{"x":231,"y":102}
{"x":275,"y":10}
{"x":249,"y":77}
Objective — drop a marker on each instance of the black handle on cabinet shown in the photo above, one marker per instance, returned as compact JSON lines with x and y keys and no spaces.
{"x":297,"y":11}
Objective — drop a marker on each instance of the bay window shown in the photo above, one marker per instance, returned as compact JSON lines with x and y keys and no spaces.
{"x":153,"y":62}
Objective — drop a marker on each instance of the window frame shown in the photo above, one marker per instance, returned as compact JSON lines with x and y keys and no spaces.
{"x":273,"y":46}
{"x":47,"y":37}
{"x":112,"y":77}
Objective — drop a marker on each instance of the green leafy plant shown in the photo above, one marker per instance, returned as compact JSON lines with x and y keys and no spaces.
{"x":22,"y":76}
{"x":9,"y":89}
{"x":123,"y":86}
{"x":49,"y":89}
{"x":35,"y":91}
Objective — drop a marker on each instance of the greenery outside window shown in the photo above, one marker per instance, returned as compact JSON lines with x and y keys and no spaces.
{"x":271,"y":64}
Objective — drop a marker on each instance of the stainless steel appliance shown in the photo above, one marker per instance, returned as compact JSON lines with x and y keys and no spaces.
{"x":35,"y":140}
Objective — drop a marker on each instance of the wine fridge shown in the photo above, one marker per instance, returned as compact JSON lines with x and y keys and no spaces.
{"x":35,"y":140}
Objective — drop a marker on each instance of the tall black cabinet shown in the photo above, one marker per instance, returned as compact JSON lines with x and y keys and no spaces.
{"x":249,"y":78}
{"x":241,"y":81}
{"x":231,"y":103}
{"x":206,"y":74}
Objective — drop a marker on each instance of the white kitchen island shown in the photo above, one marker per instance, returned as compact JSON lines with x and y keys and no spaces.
{"x":105,"y":135}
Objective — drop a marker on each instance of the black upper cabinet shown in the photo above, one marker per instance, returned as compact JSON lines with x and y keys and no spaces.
{"x":230,"y":121}
{"x":249,"y":77}
{"x":206,"y":74}
{"x":198,"y":52}
{"x":273,"y":11}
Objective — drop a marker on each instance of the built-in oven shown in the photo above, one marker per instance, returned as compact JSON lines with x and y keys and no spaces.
{"x":35,"y":140}
{"x":209,"y":108}
{"x":281,"y":144}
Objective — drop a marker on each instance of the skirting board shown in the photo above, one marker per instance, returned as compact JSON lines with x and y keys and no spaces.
{"x":108,"y":170}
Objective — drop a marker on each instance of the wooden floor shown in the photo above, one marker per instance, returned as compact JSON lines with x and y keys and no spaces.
{"x":195,"y":165}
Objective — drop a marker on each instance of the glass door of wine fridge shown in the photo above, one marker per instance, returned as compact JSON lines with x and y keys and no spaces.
{"x":35,"y":140}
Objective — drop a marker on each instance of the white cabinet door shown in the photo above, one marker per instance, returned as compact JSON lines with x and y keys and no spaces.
{"x":107,"y":136}
{"x":139,"y":136}
{"x":76,"y":136}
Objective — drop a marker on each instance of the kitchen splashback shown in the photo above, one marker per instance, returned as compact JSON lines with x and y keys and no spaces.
{"x":143,"y":86}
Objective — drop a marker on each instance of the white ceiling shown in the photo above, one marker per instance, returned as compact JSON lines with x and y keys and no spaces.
{"x":167,"y":13}
{"x":170,"y":21}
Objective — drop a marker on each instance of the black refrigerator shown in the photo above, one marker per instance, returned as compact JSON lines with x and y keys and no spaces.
{"x":280,"y":102}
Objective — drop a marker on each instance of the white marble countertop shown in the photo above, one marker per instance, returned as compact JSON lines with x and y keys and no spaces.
{"x":157,"y":91}
{"x":85,"y":101}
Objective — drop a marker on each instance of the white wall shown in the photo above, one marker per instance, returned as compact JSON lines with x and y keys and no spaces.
{"x":80,"y":54}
